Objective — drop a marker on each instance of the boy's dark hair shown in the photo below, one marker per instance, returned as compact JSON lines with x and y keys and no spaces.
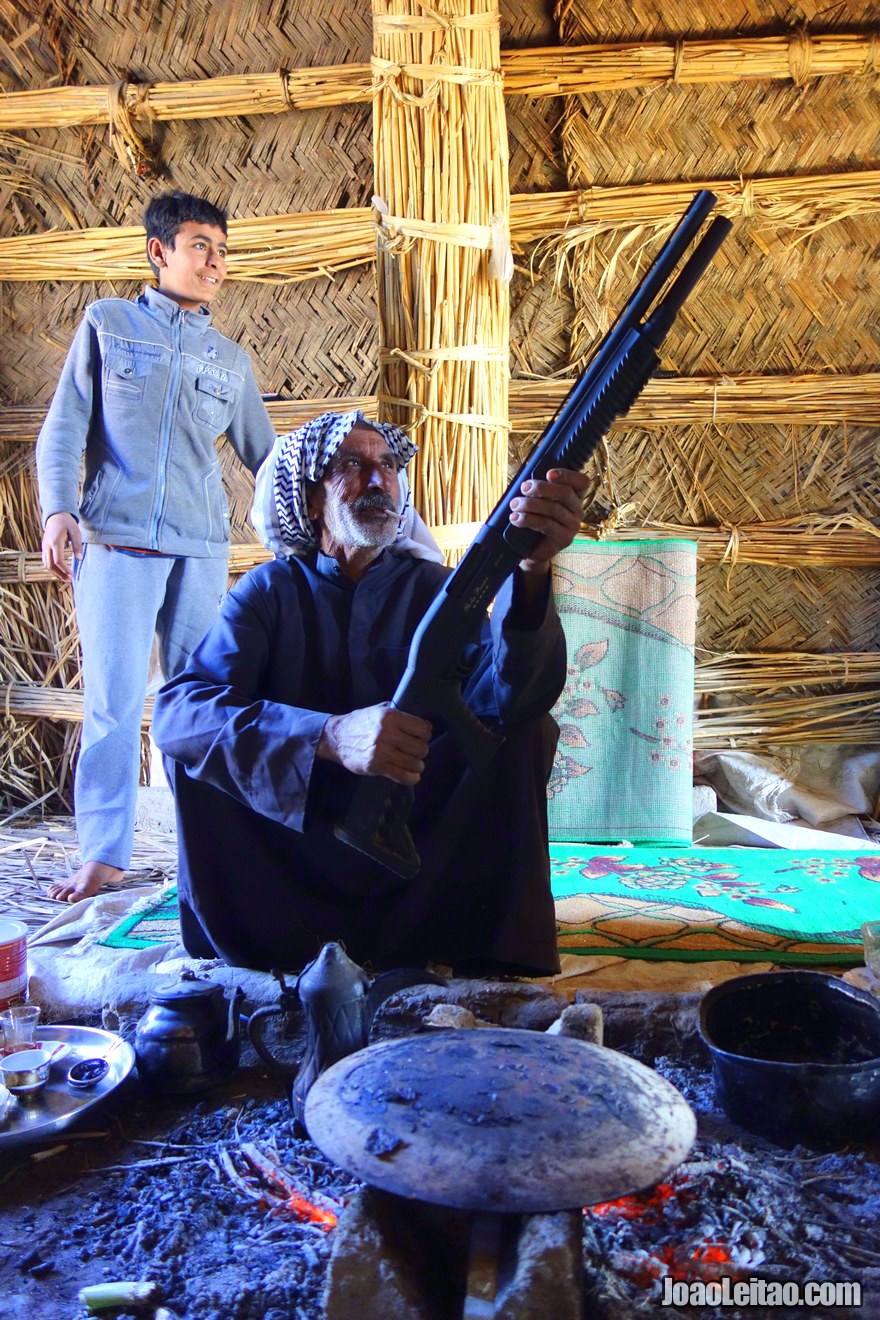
{"x":166,"y":213}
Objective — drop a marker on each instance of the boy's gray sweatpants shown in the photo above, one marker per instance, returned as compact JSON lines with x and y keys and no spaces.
{"x":122,"y":601}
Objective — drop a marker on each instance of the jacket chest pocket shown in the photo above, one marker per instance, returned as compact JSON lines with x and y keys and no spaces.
{"x":214,"y":402}
{"x":125,"y":379}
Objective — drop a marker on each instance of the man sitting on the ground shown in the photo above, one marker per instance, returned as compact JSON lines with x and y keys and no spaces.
{"x":285,"y":702}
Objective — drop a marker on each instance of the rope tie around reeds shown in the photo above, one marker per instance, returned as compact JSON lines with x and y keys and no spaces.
{"x":388,"y":79}
{"x":872,"y":56}
{"x":432,"y":19}
{"x":286,"y":93}
{"x":394,"y":228}
{"x":800,"y":55}
{"x":427,"y":360}
{"x":424,"y":413}
{"x":387,"y":76}
{"x":132,"y":148}
{"x":678,"y":61}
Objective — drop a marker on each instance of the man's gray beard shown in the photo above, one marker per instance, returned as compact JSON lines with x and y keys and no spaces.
{"x":350,"y":529}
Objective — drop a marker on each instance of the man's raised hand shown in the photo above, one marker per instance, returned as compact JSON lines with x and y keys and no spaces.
{"x":553,"y":507}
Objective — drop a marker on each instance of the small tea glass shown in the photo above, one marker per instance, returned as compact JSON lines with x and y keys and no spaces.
{"x":18,"y":1023}
{"x":871,"y":937}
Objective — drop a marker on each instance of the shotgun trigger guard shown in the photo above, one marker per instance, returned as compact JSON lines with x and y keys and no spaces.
{"x":476,"y":742}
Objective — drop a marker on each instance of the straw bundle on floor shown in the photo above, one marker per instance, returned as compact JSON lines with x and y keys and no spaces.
{"x":441,"y":172}
{"x":844,"y":718}
{"x":734,"y":708}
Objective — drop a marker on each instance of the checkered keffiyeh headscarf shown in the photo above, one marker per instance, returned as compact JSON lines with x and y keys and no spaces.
{"x":280,"y":508}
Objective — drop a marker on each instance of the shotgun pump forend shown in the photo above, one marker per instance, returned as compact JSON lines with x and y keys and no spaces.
{"x":376,"y":822}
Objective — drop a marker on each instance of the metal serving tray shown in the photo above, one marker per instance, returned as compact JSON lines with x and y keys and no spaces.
{"x":58,"y":1105}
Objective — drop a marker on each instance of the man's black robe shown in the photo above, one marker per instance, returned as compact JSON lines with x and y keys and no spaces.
{"x":262,"y":880}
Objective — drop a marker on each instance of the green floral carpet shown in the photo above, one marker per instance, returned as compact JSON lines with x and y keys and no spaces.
{"x":704,"y":903}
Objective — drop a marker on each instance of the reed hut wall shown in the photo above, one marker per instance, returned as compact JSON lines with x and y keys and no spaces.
{"x":782,"y":301}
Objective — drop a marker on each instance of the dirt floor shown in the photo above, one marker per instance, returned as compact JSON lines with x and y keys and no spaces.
{"x":169,"y":1190}
{"x":143,"y":1193}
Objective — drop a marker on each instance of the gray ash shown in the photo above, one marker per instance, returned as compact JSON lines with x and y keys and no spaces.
{"x":161,"y":1190}
{"x":739,"y":1207}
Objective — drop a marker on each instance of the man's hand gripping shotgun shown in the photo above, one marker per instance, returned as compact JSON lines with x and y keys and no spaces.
{"x":376,"y":822}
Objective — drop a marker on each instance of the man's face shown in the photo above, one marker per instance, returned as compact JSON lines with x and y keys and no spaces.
{"x":193,"y":269}
{"x":355,"y":502}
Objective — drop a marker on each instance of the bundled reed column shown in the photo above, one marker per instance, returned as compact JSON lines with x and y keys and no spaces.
{"x":442,"y":207}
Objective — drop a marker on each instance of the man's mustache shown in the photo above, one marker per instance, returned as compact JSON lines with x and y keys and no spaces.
{"x":378,"y":499}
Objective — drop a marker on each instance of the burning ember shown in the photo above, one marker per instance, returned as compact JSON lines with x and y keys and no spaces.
{"x":669,"y":1205}
{"x":278,"y":1189}
{"x":732,"y":1215}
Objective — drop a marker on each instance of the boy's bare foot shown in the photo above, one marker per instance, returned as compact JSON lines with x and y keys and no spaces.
{"x":90,"y":877}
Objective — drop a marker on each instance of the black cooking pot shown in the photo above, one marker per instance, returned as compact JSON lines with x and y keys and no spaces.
{"x":796,"y":1056}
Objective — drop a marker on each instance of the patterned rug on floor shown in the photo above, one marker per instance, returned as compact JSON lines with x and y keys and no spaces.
{"x":691,"y":904}
{"x":151,"y":922}
{"x":684,"y":904}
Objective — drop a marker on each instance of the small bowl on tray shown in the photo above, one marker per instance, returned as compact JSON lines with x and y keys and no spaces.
{"x":25,"y":1072}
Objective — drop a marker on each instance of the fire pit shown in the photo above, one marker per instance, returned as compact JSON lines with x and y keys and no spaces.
{"x":211,"y":1199}
{"x":737,"y":1209}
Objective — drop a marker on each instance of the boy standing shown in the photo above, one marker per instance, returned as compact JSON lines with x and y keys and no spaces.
{"x":147,"y":388}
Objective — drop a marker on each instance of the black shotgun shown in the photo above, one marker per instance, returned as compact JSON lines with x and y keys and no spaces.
{"x":376,"y":822}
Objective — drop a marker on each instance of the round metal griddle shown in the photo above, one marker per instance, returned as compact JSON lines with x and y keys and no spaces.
{"x":499,"y":1120}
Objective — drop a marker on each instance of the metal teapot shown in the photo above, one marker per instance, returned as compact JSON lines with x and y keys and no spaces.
{"x":339,"y":1001}
{"x":189,"y":1039}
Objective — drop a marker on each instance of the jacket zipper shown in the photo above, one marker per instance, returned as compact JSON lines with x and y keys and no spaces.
{"x":170,"y":411}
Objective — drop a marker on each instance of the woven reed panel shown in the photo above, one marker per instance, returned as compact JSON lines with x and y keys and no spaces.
{"x":695,"y":474}
{"x":769,"y":304}
{"x":315,"y":339}
{"x":38,"y":644}
{"x":540,"y":317}
{"x":758,"y":608}
{"x":310,"y":340}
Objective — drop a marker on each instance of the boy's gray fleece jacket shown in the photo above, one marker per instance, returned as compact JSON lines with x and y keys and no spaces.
{"x":146,"y":390}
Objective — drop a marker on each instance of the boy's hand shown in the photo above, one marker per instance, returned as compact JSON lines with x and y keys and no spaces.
{"x":61,"y":531}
